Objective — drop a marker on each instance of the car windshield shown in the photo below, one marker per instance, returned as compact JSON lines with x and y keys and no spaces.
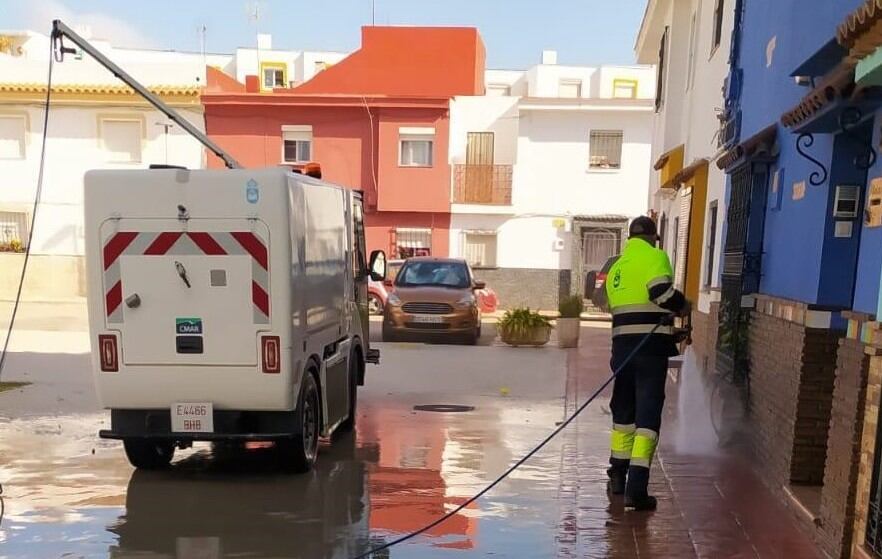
{"x":438,"y":274}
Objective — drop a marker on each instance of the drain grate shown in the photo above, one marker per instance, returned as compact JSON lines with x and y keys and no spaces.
{"x":444,"y":408}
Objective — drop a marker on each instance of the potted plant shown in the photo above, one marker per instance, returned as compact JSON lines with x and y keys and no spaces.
{"x":524,"y":327}
{"x":569,"y":323}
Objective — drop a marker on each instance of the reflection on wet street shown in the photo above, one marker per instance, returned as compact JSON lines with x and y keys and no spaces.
{"x":70,"y":494}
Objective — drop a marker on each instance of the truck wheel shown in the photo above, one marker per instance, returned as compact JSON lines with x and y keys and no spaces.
{"x":147,"y":454}
{"x":354,"y":364}
{"x":298,"y":454}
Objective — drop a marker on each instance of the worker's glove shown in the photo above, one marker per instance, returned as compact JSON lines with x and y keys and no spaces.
{"x":687,"y":309}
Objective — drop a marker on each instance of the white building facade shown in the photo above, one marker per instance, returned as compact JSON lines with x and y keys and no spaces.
{"x":689,"y":41}
{"x":548,"y":168}
{"x":94,"y":122}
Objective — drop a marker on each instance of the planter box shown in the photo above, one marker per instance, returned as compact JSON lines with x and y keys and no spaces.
{"x":568,"y":332}
{"x":536,"y":337}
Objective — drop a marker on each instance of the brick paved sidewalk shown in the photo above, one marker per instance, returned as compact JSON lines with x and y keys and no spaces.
{"x":710,"y":504}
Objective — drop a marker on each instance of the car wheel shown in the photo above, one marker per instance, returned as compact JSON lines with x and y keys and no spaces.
{"x":146,"y":454}
{"x":298,"y":454}
{"x":375,"y":304}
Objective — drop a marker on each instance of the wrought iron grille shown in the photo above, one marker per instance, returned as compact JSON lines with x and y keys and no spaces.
{"x":741,"y":269}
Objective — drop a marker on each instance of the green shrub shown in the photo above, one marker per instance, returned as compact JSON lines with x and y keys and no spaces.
{"x":571,"y":307}
{"x":519,"y":322}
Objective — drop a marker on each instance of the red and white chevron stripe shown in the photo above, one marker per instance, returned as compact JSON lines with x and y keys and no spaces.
{"x":186,"y":243}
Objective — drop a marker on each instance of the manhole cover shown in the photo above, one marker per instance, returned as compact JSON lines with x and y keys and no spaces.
{"x":444,"y":408}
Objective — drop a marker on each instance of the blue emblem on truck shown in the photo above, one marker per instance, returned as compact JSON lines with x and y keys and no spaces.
{"x":252,"y":193}
{"x":188,"y":325}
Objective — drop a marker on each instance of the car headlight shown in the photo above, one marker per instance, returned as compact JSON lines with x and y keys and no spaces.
{"x":393,"y":300}
{"x":466,"y":301}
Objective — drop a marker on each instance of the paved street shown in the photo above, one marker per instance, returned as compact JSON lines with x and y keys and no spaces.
{"x":70,"y":494}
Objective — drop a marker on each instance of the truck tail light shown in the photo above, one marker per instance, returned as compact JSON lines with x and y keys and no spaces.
{"x":271,"y":354}
{"x":108,"y":349}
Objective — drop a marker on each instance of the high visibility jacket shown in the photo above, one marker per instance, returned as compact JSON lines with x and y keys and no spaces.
{"x":640,"y":290}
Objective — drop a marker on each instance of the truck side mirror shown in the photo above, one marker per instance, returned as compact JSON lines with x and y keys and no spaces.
{"x":480,"y":284}
{"x":377,"y":266}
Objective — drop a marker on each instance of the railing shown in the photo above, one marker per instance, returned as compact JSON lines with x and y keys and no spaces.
{"x":482,"y":184}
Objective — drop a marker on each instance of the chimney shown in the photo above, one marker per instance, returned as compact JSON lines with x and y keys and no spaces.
{"x":252,"y":84}
{"x":264,"y":41}
{"x":549,"y":57}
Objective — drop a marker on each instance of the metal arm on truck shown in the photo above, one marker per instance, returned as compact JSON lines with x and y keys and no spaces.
{"x":61,"y":31}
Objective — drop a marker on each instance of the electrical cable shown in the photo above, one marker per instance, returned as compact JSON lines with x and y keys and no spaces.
{"x":516,"y":465}
{"x":37,"y":196}
{"x":27,"y":255}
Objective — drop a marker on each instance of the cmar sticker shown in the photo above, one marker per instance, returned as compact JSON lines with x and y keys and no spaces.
{"x":252,"y":193}
{"x":188,"y":325}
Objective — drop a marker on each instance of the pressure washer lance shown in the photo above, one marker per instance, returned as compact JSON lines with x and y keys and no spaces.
{"x":668,"y":320}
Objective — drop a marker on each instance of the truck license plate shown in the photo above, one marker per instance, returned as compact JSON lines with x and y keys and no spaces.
{"x":192,"y":417}
{"x":427,"y":319}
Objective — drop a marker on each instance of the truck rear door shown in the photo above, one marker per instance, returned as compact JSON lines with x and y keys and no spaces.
{"x":195,"y":297}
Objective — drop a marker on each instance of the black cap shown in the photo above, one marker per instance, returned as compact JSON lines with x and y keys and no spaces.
{"x":643,"y":226}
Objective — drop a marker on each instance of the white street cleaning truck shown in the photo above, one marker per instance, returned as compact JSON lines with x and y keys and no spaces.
{"x":226,"y":305}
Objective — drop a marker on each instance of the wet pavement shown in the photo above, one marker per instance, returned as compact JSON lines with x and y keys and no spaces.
{"x":69,"y":494}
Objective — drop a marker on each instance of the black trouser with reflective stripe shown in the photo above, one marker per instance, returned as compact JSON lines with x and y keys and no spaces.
{"x":637,"y":402}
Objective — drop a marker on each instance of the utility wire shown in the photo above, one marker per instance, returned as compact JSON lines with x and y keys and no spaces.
{"x":516,"y":465}
{"x":37,"y":196}
{"x":27,"y":256}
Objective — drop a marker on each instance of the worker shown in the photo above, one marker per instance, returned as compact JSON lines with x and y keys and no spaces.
{"x":641,"y":297}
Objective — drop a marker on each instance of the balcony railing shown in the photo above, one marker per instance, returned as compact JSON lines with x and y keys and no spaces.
{"x":482,"y":184}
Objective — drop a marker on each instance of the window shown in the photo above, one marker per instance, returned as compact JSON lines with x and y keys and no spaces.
{"x":605,"y":147}
{"x":13,"y":131}
{"x":479,"y":148}
{"x":415,"y":146}
{"x":711,"y":244}
{"x":121,"y":139}
{"x":296,"y":143}
{"x":498,"y":90}
{"x":690,"y":65}
{"x":479,"y":249}
{"x":410,"y":242}
{"x":273,"y":74}
{"x":718,"y":24}
{"x":570,"y":89}
{"x":13,"y":231}
{"x":660,"y":72}
{"x":625,"y":89}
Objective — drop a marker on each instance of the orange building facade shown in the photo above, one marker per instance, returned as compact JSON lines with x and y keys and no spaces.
{"x":377,"y":121}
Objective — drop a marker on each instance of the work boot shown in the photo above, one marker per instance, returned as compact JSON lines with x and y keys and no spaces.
{"x":617,"y":480}
{"x":640,"y":503}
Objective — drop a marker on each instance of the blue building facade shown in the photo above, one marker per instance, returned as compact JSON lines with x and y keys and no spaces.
{"x":803,"y":258}
{"x":802,"y":253}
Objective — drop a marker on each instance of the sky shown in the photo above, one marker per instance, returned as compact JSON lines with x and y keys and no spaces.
{"x":584,"y":32}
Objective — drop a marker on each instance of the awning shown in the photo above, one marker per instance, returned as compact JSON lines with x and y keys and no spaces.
{"x":835,"y":87}
{"x":669,"y":164}
{"x":761,"y":143}
{"x":689,"y":171}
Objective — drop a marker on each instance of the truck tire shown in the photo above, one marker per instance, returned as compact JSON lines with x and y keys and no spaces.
{"x":298,"y":454}
{"x":146,"y":454}
{"x":354,"y":364}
